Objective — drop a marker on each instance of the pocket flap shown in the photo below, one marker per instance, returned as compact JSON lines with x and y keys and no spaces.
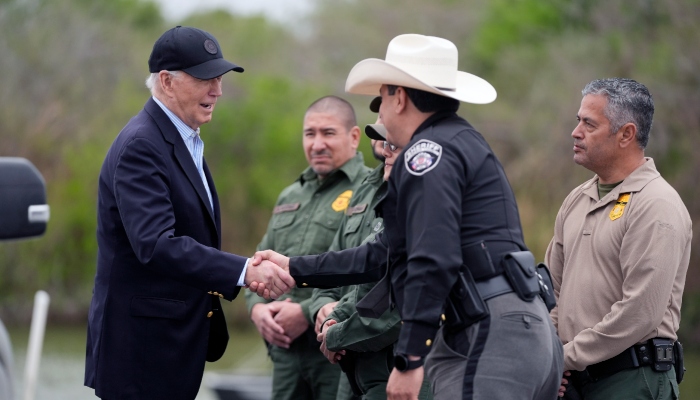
{"x":353,"y":224}
{"x":158,"y":308}
{"x":282,"y":220}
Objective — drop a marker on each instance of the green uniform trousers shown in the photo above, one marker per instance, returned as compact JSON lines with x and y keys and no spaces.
{"x":634,"y":384}
{"x":372,"y":372}
{"x":302,"y":372}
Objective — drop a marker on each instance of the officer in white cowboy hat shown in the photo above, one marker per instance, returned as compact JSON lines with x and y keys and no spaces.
{"x":467,"y":289}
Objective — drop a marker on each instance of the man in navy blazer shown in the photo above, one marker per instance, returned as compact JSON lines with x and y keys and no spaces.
{"x":156,"y":316}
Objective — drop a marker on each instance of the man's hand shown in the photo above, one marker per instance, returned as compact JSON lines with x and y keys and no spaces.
{"x":275,"y":281}
{"x":332,"y":356}
{"x":567,"y":391}
{"x":404,"y":385}
{"x":263,"y":315}
{"x":322,"y":315}
{"x":277,"y":258}
{"x":291,"y":318}
{"x":261,"y":288}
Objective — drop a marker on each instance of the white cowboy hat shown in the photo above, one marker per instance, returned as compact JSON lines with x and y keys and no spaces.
{"x":421,"y":62}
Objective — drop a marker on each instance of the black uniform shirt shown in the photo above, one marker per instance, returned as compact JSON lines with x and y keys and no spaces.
{"x":447,"y":190}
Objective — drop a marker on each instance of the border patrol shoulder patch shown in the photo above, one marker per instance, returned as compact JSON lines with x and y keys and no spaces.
{"x":422,"y":157}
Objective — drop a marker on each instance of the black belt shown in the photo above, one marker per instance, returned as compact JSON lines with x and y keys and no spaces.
{"x":639,"y":355}
{"x":493,"y":287}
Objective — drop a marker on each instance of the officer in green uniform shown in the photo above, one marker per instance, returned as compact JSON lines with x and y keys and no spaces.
{"x":362,"y":346}
{"x":304,"y":221}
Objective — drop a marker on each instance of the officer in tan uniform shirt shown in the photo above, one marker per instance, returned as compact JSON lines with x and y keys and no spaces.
{"x":619,"y":255}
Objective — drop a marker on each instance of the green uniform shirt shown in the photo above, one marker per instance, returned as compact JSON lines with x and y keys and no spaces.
{"x":359,"y":226}
{"x":306,"y":217}
{"x":358,"y":223}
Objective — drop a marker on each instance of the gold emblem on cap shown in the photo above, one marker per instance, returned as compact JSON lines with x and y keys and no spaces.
{"x":428,"y":342}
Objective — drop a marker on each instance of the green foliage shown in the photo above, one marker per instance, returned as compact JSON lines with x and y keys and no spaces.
{"x":510,"y":23}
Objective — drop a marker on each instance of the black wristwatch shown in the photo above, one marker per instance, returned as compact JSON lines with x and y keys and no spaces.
{"x":403,"y":364}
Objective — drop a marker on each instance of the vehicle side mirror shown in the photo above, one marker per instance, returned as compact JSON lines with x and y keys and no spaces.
{"x":23,"y":209}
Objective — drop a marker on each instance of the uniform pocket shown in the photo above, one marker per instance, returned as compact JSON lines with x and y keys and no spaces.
{"x":675,"y":392}
{"x":283,"y":220}
{"x":328,"y":220}
{"x":522,"y":317}
{"x":154,"y":307}
{"x":353,"y":224}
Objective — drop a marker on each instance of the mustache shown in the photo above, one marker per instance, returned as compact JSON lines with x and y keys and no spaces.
{"x":321,"y":153}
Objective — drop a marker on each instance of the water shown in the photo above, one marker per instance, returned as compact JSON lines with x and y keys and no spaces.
{"x":63,"y":363}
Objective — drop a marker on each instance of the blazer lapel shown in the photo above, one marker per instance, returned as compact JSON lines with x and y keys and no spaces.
{"x":183,"y":156}
{"x":214,"y":200}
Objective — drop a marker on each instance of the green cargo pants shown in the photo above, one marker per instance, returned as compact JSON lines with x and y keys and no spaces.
{"x":302,"y":372}
{"x":634,"y":384}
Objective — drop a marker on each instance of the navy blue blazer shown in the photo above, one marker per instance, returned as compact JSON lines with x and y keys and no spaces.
{"x":155,"y":315}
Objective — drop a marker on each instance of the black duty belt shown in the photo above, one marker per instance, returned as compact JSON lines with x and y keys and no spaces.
{"x":493,"y":287}
{"x":657,"y":352}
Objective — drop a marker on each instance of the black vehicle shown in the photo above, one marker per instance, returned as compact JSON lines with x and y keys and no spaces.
{"x":23,"y":214}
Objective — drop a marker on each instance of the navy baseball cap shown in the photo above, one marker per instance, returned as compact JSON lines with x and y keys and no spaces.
{"x":190,"y":50}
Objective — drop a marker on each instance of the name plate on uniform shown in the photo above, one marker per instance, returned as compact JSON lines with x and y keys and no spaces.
{"x":359,"y":209}
{"x":286,"y":208}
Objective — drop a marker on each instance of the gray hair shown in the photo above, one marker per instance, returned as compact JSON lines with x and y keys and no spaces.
{"x":153,"y":84}
{"x":628,"y":101}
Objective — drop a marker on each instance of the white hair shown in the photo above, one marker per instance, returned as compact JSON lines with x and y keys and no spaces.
{"x":153,"y":84}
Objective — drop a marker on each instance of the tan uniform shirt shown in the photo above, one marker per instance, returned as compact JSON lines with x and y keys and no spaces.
{"x":619,"y":266}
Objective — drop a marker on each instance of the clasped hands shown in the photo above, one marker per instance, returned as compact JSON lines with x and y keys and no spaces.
{"x":268,"y":275}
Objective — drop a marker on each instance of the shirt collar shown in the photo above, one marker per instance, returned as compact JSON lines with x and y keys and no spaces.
{"x":634,"y":182}
{"x":432,"y":120}
{"x":185,"y":131}
{"x":351,"y":169}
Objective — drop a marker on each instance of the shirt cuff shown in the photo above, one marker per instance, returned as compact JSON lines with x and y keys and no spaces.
{"x":241,"y":279}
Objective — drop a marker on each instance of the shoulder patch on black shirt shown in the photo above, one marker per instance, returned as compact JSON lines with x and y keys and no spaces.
{"x":423,"y":156}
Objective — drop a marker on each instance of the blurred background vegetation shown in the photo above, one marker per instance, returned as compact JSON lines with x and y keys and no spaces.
{"x":72,"y":74}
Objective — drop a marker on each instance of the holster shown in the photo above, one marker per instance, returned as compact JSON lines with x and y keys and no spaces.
{"x":546,"y":287}
{"x":520,"y":270}
{"x":678,"y":361}
{"x":464,"y":305}
{"x":576,"y":381}
{"x":347,"y":365}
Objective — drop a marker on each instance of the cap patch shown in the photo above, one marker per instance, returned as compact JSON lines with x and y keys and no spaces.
{"x":422,"y":157}
{"x":210,"y":46}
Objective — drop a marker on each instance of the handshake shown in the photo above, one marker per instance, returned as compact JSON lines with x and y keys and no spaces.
{"x":268,"y":275}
